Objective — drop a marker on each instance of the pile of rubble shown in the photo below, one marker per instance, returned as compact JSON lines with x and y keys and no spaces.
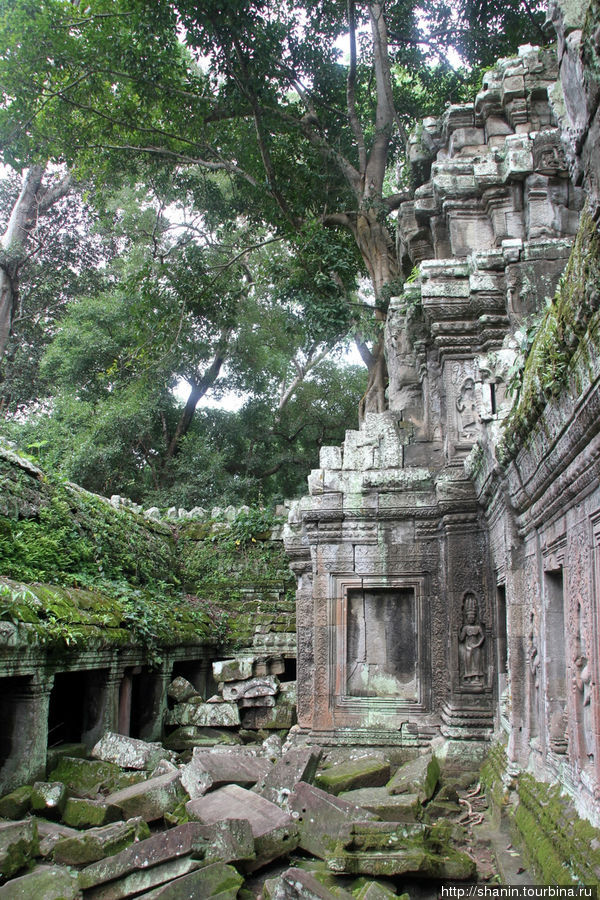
{"x":249,"y":695}
{"x":139,"y":820}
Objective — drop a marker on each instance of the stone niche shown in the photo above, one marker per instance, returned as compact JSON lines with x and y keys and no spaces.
{"x":394,"y":625}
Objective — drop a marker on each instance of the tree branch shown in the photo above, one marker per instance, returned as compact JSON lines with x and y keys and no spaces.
{"x":359,"y":136}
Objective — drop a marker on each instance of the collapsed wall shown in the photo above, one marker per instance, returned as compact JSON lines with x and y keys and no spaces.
{"x":438,"y":599}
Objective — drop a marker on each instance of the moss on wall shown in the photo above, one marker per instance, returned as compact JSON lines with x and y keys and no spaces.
{"x":74,"y":570}
{"x":574,"y":311}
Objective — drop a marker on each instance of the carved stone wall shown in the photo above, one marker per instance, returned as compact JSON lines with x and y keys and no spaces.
{"x":487,"y":564}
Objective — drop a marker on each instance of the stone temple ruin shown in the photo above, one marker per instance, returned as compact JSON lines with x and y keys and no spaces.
{"x":447,"y":566}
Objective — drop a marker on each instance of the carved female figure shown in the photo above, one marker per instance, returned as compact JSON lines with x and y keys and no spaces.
{"x":471,"y":638}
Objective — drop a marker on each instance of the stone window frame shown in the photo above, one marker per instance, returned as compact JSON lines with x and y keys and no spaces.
{"x":339,"y":587}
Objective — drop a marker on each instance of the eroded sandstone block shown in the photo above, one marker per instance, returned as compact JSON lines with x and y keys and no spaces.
{"x":322,"y":818}
{"x":44,"y":883}
{"x":149,"y":799}
{"x":211,"y":770}
{"x":128,"y":752}
{"x":367,"y":771}
{"x":18,"y":844}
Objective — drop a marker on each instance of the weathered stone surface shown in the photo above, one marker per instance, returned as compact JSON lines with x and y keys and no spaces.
{"x":295,"y":765}
{"x":98,"y":843}
{"x":366,"y":771}
{"x":282,"y":715}
{"x":55,"y":754}
{"x":217,"y":881}
{"x":44,"y":883}
{"x":149,"y":799}
{"x":17,"y":803}
{"x":181,"y":689}
{"x":85,"y":813}
{"x":49,"y":798}
{"x":50,"y":833}
{"x":229,"y":841}
{"x":88,"y":777}
{"x":211,"y":770}
{"x":381,"y":848}
{"x":213,"y":715}
{"x":187,"y":737}
{"x":233,"y":669}
{"x":295,"y":884}
{"x":18,"y":844}
{"x":128,"y":752}
{"x":274,"y":831}
{"x":364,"y":889}
{"x":141,"y":880}
{"x":322,"y":818}
{"x":389,"y":807}
{"x":181,"y":841}
{"x":419,"y":776}
{"x":251,"y":687}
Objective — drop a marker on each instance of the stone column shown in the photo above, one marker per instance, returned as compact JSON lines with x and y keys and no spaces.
{"x":155,"y":702}
{"x":28,"y":704}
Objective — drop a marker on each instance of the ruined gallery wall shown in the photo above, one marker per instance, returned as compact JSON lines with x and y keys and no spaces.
{"x":100,"y":606}
{"x":539,"y":482}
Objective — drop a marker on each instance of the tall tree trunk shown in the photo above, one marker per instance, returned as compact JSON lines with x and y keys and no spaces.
{"x":13,"y":248}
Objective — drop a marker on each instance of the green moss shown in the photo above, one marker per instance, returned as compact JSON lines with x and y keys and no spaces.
{"x":87,"y":777}
{"x":574,"y":310}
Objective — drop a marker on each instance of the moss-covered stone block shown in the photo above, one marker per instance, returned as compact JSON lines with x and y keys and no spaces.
{"x":367,"y":771}
{"x":87,"y":777}
{"x":389,"y":807}
{"x":44,"y":883}
{"x":49,"y":798}
{"x":80,"y":812}
{"x":418,"y":776}
{"x":19,"y":843}
{"x":16,"y":804}
{"x":98,"y":843}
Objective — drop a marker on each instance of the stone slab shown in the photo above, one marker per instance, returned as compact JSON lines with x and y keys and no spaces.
{"x":49,"y":798}
{"x":212,"y":715}
{"x":129,"y":753}
{"x":212,"y":770}
{"x":183,"y":840}
{"x":186,"y":737}
{"x":233,"y":669}
{"x":85,"y":813}
{"x":323,"y":818}
{"x":17,"y":803}
{"x":89,"y":777}
{"x":418,"y":776}
{"x":181,"y":690}
{"x":274,"y":831}
{"x":297,"y":883}
{"x":143,"y":880}
{"x":44,"y":883}
{"x":389,"y":807}
{"x":294,"y":766}
{"x":81,"y":849}
{"x":217,"y":881}
{"x":150,"y":799}
{"x":366,"y":771}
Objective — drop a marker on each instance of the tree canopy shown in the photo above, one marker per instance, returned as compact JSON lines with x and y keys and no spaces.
{"x":245,"y":172}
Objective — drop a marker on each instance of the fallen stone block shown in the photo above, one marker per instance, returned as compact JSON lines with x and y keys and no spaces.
{"x":294,"y":766}
{"x":441,"y":809}
{"x":213,"y":715}
{"x":129,"y":753}
{"x":211,"y":770}
{"x":217,"y":881}
{"x":186,"y":737}
{"x":322,"y":818}
{"x":366,"y":771}
{"x":274,"y":831}
{"x":277,"y":718}
{"x":80,"y":812}
{"x":272,"y":747}
{"x":233,"y":669}
{"x":44,"y":883}
{"x":297,"y":884}
{"x":419,"y":776}
{"x":252,"y":687}
{"x":90,"y":777}
{"x":97,"y":843}
{"x":389,"y":807}
{"x":181,"y":690}
{"x":366,"y":889}
{"x":17,"y":803}
{"x":150,"y":799}
{"x":19,"y":843}
{"x":50,"y":833}
{"x":142,"y":880}
{"x":181,"y":841}
{"x":49,"y":798}
{"x":387,"y":849}
{"x":252,"y":702}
